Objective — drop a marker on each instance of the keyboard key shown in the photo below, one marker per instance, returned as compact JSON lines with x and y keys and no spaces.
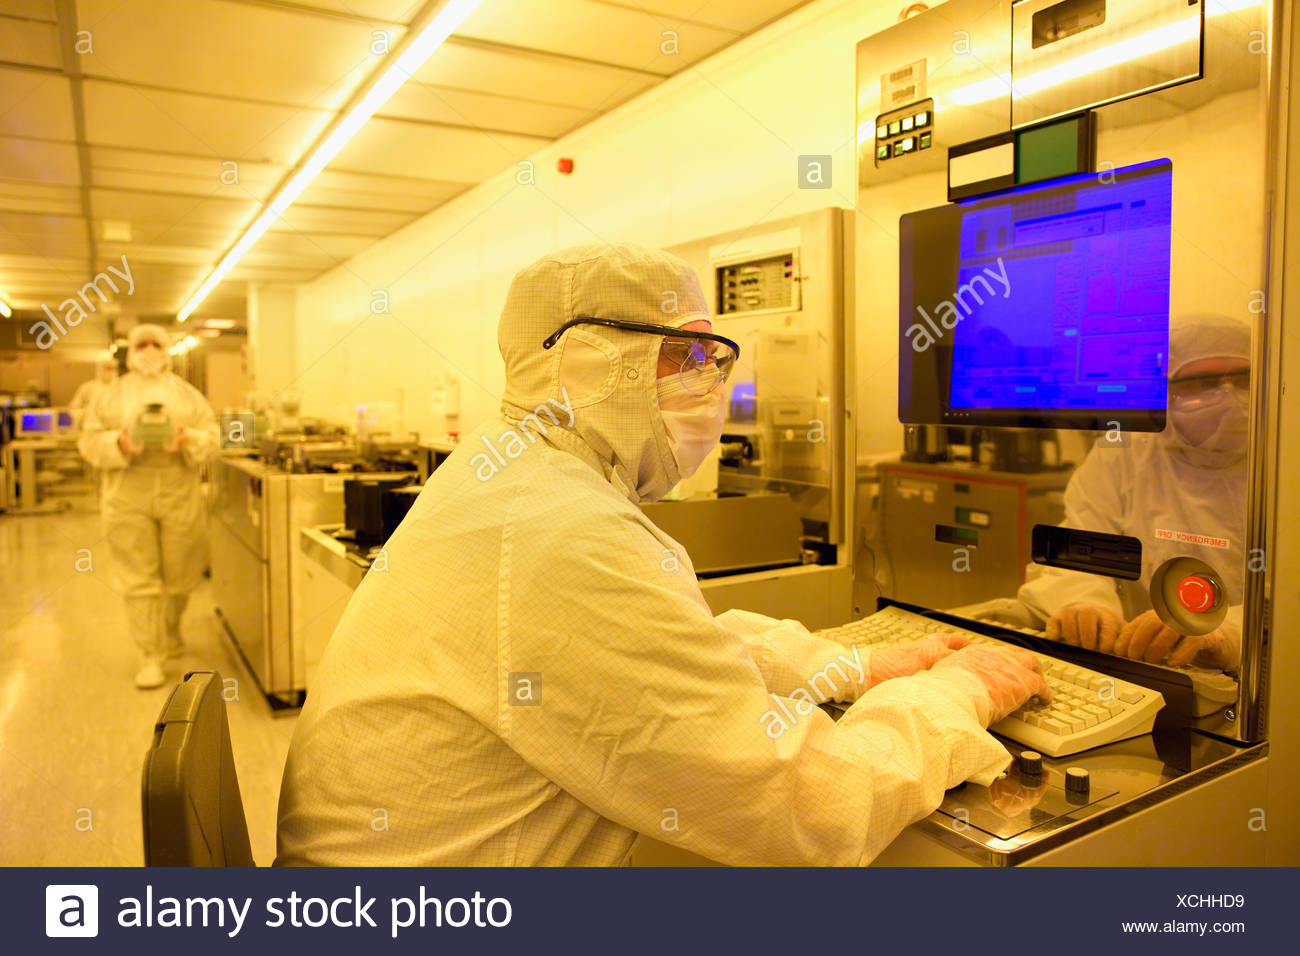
{"x":1054,"y":726}
{"x":1089,"y":720}
{"x":1128,"y":695}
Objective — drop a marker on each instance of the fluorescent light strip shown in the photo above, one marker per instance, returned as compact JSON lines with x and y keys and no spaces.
{"x":443,"y":24}
{"x":1150,"y":42}
{"x":4,"y":308}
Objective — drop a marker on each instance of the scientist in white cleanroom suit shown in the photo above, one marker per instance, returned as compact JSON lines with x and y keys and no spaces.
{"x":153,"y":509}
{"x":534,"y":677}
{"x":1189,"y":478}
{"x":91,"y":389}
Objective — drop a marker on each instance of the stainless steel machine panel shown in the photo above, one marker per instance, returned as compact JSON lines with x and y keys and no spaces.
{"x":1191,"y":83}
{"x":257,"y":586}
{"x":1070,"y":55}
{"x":732,"y":534}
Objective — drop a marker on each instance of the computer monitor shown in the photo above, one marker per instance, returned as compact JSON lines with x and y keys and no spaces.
{"x":1044,"y":306}
{"x":36,"y":423}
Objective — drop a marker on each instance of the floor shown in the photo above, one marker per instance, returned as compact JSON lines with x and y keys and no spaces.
{"x":73,"y":728}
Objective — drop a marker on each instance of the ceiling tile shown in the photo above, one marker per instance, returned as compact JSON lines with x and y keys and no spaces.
{"x":29,"y":197}
{"x":31,"y":9}
{"x":162,"y":219}
{"x":37,"y":105}
{"x":124,"y":116}
{"x":353,"y":222}
{"x":381,"y":192}
{"x":45,"y":237}
{"x":597,"y":32}
{"x":283,"y":57}
{"x":334,"y":248}
{"x":388,"y":11}
{"x":398,"y":148}
{"x":741,"y":16}
{"x":38,"y":161}
{"x":29,"y":41}
{"x":434,"y":104}
{"x":532,"y":75}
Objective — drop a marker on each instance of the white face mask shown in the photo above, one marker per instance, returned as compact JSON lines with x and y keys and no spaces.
{"x":694,"y":422}
{"x":149,"y":360}
{"x":1214,"y":426}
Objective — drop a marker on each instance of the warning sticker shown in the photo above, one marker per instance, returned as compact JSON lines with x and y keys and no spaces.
{"x":1186,"y":537}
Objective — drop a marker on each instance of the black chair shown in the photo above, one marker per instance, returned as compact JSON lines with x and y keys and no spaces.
{"x":192,"y":811}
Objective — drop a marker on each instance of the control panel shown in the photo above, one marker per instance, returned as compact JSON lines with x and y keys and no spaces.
{"x":759,"y":285}
{"x":903,"y":131}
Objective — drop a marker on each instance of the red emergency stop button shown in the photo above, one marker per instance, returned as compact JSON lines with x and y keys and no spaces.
{"x":1198,"y":594}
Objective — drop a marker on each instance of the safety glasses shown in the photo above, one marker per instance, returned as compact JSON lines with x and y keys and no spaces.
{"x":1194,"y":387}
{"x":703,"y":360}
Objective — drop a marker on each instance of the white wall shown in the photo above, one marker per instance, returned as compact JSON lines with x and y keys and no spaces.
{"x":713,"y":149}
{"x":272,"y":339}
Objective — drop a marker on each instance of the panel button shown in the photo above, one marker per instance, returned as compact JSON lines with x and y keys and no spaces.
{"x":895,"y":128}
{"x":882,"y":151}
{"x":882,"y":131}
{"x":907,"y":123}
{"x":922,"y":119}
{"x":924,"y":139}
{"x":1198,"y":594}
{"x":905,"y":145}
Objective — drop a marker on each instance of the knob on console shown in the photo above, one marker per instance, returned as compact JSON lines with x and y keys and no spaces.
{"x":1031,"y":763}
{"x":1077,"y":781}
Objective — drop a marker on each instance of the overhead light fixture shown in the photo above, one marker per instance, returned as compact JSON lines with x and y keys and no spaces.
{"x":220,"y":323}
{"x":440,"y":26}
{"x":208,"y":333}
{"x":4,"y":308}
{"x":115,"y":230}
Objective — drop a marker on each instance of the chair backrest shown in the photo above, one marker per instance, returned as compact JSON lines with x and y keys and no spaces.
{"x":192,"y":811}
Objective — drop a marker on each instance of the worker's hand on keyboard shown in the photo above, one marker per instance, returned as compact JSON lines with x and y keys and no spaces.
{"x":910,"y":657}
{"x":1086,"y":625}
{"x":1008,"y":677}
{"x":1147,"y":638}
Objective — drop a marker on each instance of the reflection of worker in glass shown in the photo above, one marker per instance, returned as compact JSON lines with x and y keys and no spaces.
{"x":1191,"y":479}
{"x":536,"y":677}
{"x":88,"y":391}
{"x":148,"y":434}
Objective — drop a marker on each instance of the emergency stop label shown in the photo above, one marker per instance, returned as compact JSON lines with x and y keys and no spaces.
{"x":1187,"y":537}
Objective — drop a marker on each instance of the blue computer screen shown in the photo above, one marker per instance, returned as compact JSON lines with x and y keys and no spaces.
{"x":1062,"y":295}
{"x":37,"y":422}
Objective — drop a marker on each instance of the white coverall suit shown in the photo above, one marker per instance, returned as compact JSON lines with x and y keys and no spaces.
{"x":152,"y":504}
{"x":534,"y":676}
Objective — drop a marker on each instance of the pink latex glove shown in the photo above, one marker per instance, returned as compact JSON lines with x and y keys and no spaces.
{"x":1007,"y":676}
{"x":1011,"y":795}
{"x":130,"y":448}
{"x":1146,"y":638}
{"x":178,"y":441}
{"x":1086,"y":625}
{"x":909,"y":657}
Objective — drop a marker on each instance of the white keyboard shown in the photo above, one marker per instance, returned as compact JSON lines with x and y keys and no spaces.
{"x":1088,"y":708}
